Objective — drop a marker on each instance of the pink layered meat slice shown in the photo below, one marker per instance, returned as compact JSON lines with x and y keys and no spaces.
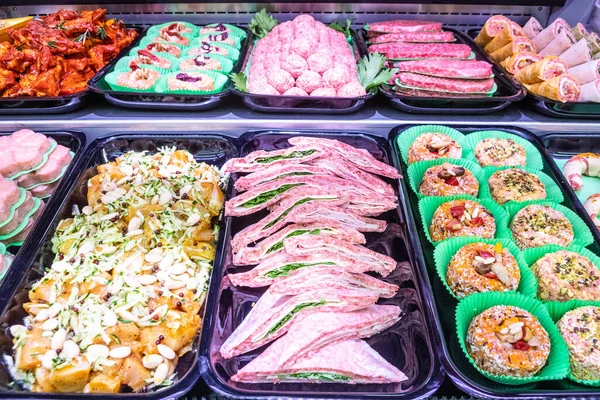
{"x":274,"y":314}
{"x":447,"y":68}
{"x":19,"y":216}
{"x":303,"y":245}
{"x":339,"y":166}
{"x":405,"y":26}
{"x":274,"y":243}
{"x":423,"y":82}
{"x":21,"y":236}
{"x":359,"y":157}
{"x":260,"y":159}
{"x":431,"y":94}
{"x":332,"y":277}
{"x":316,"y":331}
{"x":9,"y":195}
{"x":277,"y":172}
{"x":414,"y":37}
{"x":353,"y":360}
{"x":44,"y":191}
{"x":422,"y":50}
{"x":58,"y":159}
{"x":308,"y":208}
{"x":21,"y":151}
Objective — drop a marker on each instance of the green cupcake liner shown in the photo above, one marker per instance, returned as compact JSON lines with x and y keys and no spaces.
{"x":14,"y":244}
{"x":206,"y":38}
{"x":553,"y":191}
{"x":417,"y":170}
{"x":53,"y":145}
{"x":226,"y":63}
{"x":232,"y":53}
{"x":155,"y":30}
{"x":234,"y":30}
{"x":402,"y":86}
{"x":557,"y":365}
{"x":13,"y":208}
{"x":220,"y":80}
{"x":407,"y":137}
{"x":123,"y":64}
{"x":533,"y":254}
{"x":471,"y":57}
{"x":36,"y":205}
{"x":8,"y":264}
{"x":534,"y":158}
{"x":445,"y":251}
{"x":428,"y":206}
{"x":62,"y":172}
{"x":582,"y":234}
{"x":111,"y":80}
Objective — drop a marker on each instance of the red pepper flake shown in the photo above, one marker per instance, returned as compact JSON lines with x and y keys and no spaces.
{"x":477,"y":221}
{"x":521,"y":345}
{"x":491,"y":275}
{"x":452,"y":181}
{"x":457,"y":211}
{"x":485,"y":254}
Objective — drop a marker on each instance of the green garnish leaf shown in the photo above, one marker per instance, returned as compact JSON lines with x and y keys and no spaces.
{"x":279,"y":245}
{"x":293,"y":154}
{"x":61,"y":26}
{"x":339,"y":26}
{"x":287,"y":211}
{"x":291,"y":314}
{"x":268,"y":195}
{"x":285,"y":270}
{"x":371,"y":71}
{"x":240,"y":81}
{"x":316,"y":376}
{"x":52,"y":44}
{"x":101,"y":32}
{"x":262,"y":23}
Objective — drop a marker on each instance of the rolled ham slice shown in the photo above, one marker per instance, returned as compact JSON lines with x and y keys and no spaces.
{"x":586,"y":73}
{"x":549,"y":34}
{"x":405,"y":26}
{"x":532,"y":28}
{"x":511,"y":31}
{"x":416,"y":37}
{"x":550,"y":67}
{"x":448,"y":68}
{"x":493,"y":26}
{"x":590,"y":92}
{"x":444,"y":84}
{"x":517,"y":45}
{"x":594,"y":42}
{"x":563,"y":88}
{"x":579,"y":31}
{"x":561,"y":43}
{"x":577,"y":54}
{"x":520,"y":60}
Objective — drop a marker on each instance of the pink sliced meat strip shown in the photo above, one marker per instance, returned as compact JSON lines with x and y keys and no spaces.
{"x":19,"y":216}
{"x":58,"y":159}
{"x":416,"y":37}
{"x":445,"y":84}
{"x":447,"y":68}
{"x":405,"y":26}
{"x":422,"y":50}
{"x":9,"y":195}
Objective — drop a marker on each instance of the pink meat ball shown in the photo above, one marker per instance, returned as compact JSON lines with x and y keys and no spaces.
{"x":336,"y":77}
{"x":295,"y":91}
{"x":261,"y":86}
{"x":280,"y":79}
{"x":324,"y":92}
{"x":320,"y":62}
{"x":294,"y":64}
{"x":352,"y":89}
{"x":303,"y":46}
{"x":304,"y":19}
{"x":309,"y":81}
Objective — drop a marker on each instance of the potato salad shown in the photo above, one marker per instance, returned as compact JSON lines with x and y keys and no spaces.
{"x":121,"y":302}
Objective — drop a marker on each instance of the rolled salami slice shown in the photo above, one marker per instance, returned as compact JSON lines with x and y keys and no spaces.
{"x":561,"y":43}
{"x":590,"y":92}
{"x":579,"y":31}
{"x":532,"y":28}
{"x":493,"y":26}
{"x":547,"y":35}
{"x":517,"y":45}
{"x":511,"y":31}
{"x":550,"y":67}
{"x":586,"y":73}
{"x":563,"y":88}
{"x":414,"y":37}
{"x":577,"y":54}
{"x":520,"y":60}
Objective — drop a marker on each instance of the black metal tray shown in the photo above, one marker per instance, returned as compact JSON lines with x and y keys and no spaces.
{"x":456,"y":365}
{"x":159,"y":101}
{"x":506,"y":94}
{"x":408,"y":345}
{"x":55,"y":105}
{"x":37,"y":254}
{"x":305,"y":105}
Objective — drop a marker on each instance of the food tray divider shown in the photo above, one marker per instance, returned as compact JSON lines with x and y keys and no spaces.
{"x":164,"y":101}
{"x":305,"y":105}
{"x":216,"y":371}
{"x":510,"y":92}
{"x":29,"y":264}
{"x":456,"y":365}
